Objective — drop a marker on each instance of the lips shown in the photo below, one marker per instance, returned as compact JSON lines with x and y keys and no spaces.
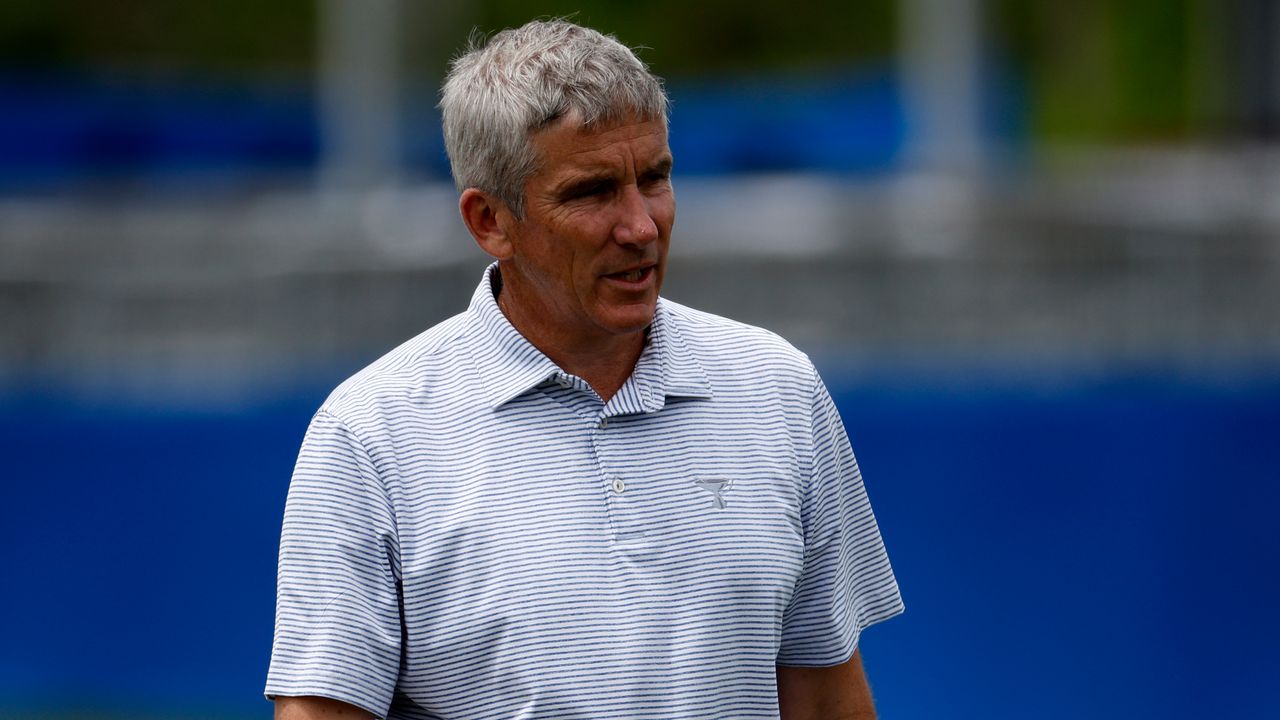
{"x":634,"y":275}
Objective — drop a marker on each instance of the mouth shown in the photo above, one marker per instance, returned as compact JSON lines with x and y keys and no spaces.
{"x":634,"y":276}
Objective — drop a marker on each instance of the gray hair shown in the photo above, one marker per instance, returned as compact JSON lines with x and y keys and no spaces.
{"x":499,"y":93}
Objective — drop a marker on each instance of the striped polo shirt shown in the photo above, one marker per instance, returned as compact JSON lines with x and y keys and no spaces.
{"x":471,"y":533}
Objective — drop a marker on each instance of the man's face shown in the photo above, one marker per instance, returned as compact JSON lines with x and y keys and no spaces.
{"x":588,"y":258}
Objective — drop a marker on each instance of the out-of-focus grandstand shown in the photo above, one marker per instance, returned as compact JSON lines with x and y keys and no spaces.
{"x":1035,"y":249}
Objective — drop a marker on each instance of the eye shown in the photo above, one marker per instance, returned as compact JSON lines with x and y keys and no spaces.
{"x":587,"y":190}
{"x":655,"y":180}
{"x":659,"y":176}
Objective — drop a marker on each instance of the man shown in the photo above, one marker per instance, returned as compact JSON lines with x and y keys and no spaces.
{"x":576,"y":499}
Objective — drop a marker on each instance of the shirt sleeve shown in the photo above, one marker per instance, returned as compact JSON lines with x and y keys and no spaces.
{"x":847,"y":583}
{"x":338,"y":628}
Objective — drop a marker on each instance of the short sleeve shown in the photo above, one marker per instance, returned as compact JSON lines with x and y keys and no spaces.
{"x":338,"y":628}
{"x":847,"y":583}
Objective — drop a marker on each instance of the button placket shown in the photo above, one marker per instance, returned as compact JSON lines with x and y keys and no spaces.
{"x":609,"y":441}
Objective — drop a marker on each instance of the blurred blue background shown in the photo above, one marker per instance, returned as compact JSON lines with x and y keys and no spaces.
{"x":1035,"y":252}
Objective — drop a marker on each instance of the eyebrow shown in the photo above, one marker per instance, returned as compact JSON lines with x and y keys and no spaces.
{"x":572,"y":186}
{"x":582,"y":183}
{"x":662,"y":167}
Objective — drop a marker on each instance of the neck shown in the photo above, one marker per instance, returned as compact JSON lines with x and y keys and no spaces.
{"x":605,"y":361}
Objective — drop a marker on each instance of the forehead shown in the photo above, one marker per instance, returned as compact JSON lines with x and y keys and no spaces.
{"x":568,"y":147}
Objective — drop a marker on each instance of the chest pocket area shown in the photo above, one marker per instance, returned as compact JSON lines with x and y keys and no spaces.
{"x":731,"y":502}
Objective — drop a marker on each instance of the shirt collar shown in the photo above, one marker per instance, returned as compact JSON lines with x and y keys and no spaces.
{"x":681,"y":374}
{"x":510,"y":365}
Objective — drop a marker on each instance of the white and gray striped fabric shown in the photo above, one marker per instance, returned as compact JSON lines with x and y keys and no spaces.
{"x":471,"y":533}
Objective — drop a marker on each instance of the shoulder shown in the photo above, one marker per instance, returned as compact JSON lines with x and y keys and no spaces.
{"x":718,"y":341}
{"x":434,"y":358}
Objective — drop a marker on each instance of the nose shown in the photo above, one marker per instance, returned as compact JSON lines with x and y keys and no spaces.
{"x":635,"y":224}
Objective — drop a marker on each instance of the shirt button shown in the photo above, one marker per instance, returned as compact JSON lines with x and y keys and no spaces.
{"x":604,"y":423}
{"x":564,"y":382}
{"x":618,"y":485}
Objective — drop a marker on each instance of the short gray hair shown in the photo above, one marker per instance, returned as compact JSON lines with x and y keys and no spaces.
{"x":498,"y":93}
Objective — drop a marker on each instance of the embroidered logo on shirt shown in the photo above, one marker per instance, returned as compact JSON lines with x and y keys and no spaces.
{"x":715,"y":487}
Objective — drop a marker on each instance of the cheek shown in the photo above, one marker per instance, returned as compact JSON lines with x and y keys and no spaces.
{"x":664,"y":213}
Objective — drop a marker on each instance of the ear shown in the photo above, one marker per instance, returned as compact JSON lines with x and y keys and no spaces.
{"x":486,"y":219}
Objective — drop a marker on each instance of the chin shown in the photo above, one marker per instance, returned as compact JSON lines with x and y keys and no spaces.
{"x":632,"y":320}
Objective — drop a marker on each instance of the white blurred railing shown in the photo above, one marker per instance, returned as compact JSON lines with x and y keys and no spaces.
{"x":1153,"y":253}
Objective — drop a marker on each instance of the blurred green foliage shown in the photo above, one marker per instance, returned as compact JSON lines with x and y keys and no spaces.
{"x":159,"y":36}
{"x":712,"y":36}
{"x":233,"y":36}
{"x":1099,"y":70}
{"x":1095,"y":70}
